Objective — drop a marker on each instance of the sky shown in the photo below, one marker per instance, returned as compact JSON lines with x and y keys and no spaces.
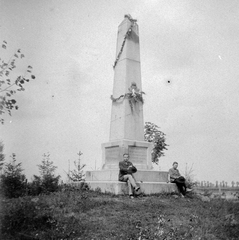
{"x":189,"y":69}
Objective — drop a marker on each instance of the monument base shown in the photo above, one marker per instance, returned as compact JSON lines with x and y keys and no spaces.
{"x":140,"y":175}
{"x":117,"y":187}
{"x":149,"y":181}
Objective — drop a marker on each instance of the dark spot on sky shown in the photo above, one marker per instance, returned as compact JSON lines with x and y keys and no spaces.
{"x":168,"y":81}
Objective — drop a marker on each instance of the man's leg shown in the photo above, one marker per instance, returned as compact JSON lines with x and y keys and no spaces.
{"x":130,"y":188}
{"x":187,"y":186}
{"x":131,"y":182}
{"x":180,"y":186}
{"x":136,"y":188}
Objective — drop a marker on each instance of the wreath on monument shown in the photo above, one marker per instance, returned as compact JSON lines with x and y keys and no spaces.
{"x":134,"y":95}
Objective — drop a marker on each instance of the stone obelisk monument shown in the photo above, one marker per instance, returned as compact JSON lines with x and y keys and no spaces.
{"x":127,"y":121}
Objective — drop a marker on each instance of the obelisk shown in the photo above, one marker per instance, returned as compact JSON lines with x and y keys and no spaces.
{"x":127,"y":120}
{"x":127,"y":123}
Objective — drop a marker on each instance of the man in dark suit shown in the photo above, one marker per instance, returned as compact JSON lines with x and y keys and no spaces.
{"x":126,"y":170}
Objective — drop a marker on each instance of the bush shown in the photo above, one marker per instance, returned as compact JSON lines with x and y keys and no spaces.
{"x":13,"y":182}
{"x":77,"y":174}
{"x":26,"y":218}
{"x":43,"y":185}
{"x":47,"y":181}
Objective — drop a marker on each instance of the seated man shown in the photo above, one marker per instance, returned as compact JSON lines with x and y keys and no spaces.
{"x":126,"y":174}
{"x":175,"y":177}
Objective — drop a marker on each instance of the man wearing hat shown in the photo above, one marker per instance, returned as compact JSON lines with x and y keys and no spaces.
{"x":175,"y":177}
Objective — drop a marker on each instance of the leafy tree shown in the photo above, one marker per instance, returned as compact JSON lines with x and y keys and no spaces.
{"x":77,"y":174}
{"x":46,"y":168}
{"x":13,"y":181}
{"x":157,"y":137}
{"x":10,"y":84}
{"x":47,"y":181}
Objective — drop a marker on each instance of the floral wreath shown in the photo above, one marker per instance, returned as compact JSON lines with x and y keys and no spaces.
{"x":134,"y":95}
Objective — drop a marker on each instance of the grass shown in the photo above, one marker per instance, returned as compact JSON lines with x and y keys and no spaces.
{"x":87,"y":215}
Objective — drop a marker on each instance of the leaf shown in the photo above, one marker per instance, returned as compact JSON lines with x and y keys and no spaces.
{"x":19,"y":50}
{"x":30,"y":66}
{"x":15,"y":55}
{"x":4,"y":46}
{"x":22,"y":56}
{"x":33,"y":77}
{"x":16,"y":107}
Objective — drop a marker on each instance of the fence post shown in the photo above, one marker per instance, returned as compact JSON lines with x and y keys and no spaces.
{"x":219,"y":188}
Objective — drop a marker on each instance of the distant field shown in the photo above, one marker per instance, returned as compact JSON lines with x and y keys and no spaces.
{"x":93,"y":215}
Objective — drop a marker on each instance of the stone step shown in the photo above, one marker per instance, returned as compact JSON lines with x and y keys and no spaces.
{"x":117,"y":187}
{"x":140,"y":175}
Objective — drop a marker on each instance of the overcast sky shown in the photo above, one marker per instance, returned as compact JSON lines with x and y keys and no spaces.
{"x":71,"y":46}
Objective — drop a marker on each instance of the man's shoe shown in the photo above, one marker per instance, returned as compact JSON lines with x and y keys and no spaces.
{"x":189,"y":190}
{"x":131,"y":196}
{"x":137,"y":189}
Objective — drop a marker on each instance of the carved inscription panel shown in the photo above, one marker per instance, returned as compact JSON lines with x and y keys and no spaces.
{"x":138,"y":154}
{"x":112,"y":155}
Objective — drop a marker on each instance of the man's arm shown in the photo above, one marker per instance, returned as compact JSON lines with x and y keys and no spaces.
{"x":171,"y":175}
{"x":131,"y":168}
{"x":168,"y":178}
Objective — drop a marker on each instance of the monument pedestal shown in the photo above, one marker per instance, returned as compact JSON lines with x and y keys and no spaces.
{"x":118,"y":188}
{"x":149,"y":181}
{"x":139,"y":152}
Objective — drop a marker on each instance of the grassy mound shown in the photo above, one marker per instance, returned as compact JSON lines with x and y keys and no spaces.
{"x":92,"y":215}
